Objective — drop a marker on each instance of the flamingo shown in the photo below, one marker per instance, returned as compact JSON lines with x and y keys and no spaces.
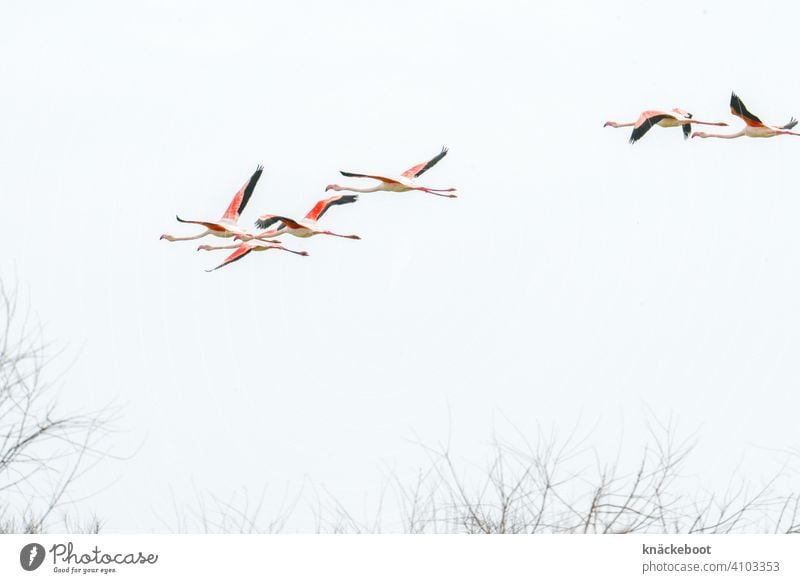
{"x":402,"y":183}
{"x":226,"y":226}
{"x":243,"y":249}
{"x":666,"y":119}
{"x":305,"y":227}
{"x":754,"y":127}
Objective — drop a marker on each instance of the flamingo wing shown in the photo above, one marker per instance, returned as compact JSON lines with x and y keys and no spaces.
{"x":240,"y":252}
{"x":207,"y":224}
{"x":647,"y":120}
{"x":423,"y":167}
{"x":687,"y":127}
{"x":739,"y":110}
{"x":376,"y":177}
{"x":322,"y":206}
{"x":264,"y":222}
{"x":242,"y":197}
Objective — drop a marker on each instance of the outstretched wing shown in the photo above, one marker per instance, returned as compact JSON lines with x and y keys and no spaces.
{"x":687,"y":127}
{"x":647,"y":120}
{"x":739,"y":110}
{"x":207,"y":224}
{"x":790,"y":125}
{"x":322,"y":206}
{"x":423,"y":167}
{"x":264,"y":222}
{"x":242,"y":197}
{"x":375,"y":176}
{"x":240,"y":252}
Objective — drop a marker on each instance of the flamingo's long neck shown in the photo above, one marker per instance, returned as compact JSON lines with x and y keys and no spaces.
{"x":217,"y":247}
{"x":372,"y":189}
{"x":726,"y":136}
{"x":198,"y":236}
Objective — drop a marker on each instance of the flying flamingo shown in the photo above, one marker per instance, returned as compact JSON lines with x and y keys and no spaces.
{"x":243,"y":249}
{"x":402,"y":183}
{"x":305,"y":227}
{"x":227,"y":226}
{"x":754,"y":127}
{"x":666,"y":119}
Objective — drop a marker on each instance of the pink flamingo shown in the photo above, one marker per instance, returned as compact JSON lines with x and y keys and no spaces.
{"x":226,"y":226}
{"x":754,"y":127}
{"x":305,"y":227}
{"x":244,"y":249}
{"x":402,"y":183}
{"x":666,"y":119}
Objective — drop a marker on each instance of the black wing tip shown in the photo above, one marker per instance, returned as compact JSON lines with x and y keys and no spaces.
{"x":335,"y":201}
{"x":180,"y":220}
{"x":432,"y":162}
{"x":251,"y":186}
{"x":348,"y":174}
{"x":223,"y":264}
{"x":648,"y":123}
{"x":217,"y":267}
{"x":254,"y":178}
{"x":268,"y":222}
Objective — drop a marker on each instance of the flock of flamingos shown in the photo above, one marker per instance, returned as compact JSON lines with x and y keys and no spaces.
{"x":276,"y":225}
{"x":273,"y":226}
{"x":754,"y":127}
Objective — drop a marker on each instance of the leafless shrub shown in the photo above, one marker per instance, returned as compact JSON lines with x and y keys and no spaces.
{"x":544,"y":486}
{"x":536,"y":489}
{"x":44,"y":450}
{"x":236,"y":514}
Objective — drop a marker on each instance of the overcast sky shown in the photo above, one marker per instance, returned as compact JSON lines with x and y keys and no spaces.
{"x":576,"y":279}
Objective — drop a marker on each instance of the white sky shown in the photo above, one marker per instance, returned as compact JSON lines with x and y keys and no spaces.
{"x":576,"y":279}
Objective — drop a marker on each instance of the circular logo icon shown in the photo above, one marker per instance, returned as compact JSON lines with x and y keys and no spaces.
{"x":31,"y":556}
